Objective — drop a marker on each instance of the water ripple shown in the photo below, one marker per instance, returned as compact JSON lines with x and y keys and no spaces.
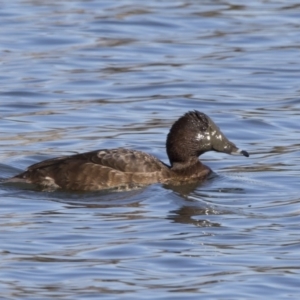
{"x":85,"y":75}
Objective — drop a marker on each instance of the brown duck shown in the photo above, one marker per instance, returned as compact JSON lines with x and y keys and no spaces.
{"x":190,"y":136}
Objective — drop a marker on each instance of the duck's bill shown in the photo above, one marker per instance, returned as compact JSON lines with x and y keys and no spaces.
{"x":240,"y":152}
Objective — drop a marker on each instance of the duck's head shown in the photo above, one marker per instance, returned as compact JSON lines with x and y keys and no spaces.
{"x":194,"y":134}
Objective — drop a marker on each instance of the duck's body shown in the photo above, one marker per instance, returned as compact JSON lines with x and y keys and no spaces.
{"x":106,"y":168}
{"x":190,"y":136}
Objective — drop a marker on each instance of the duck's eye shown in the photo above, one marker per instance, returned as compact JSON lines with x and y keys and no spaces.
{"x":199,"y":136}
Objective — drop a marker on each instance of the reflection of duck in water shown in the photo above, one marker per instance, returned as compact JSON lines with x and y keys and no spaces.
{"x":190,"y":136}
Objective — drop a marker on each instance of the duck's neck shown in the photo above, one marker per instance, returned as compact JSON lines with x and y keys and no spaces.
{"x":191,"y":168}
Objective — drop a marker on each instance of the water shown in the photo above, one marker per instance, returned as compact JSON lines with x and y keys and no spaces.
{"x":85,"y":75}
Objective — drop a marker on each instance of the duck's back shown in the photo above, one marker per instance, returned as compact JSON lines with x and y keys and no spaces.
{"x":96,"y":170}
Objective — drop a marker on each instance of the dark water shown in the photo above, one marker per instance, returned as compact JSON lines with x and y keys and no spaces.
{"x":84,"y":75}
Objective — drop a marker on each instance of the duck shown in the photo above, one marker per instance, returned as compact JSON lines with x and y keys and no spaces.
{"x":190,"y":136}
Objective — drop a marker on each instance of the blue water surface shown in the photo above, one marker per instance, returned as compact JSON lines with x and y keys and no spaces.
{"x":84,"y":75}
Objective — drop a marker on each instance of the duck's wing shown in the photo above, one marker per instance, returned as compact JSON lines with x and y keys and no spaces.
{"x":124,"y":160}
{"x":95,"y":170}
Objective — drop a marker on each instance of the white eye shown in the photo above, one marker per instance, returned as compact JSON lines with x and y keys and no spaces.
{"x":199,"y":136}
{"x":207,"y":135}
